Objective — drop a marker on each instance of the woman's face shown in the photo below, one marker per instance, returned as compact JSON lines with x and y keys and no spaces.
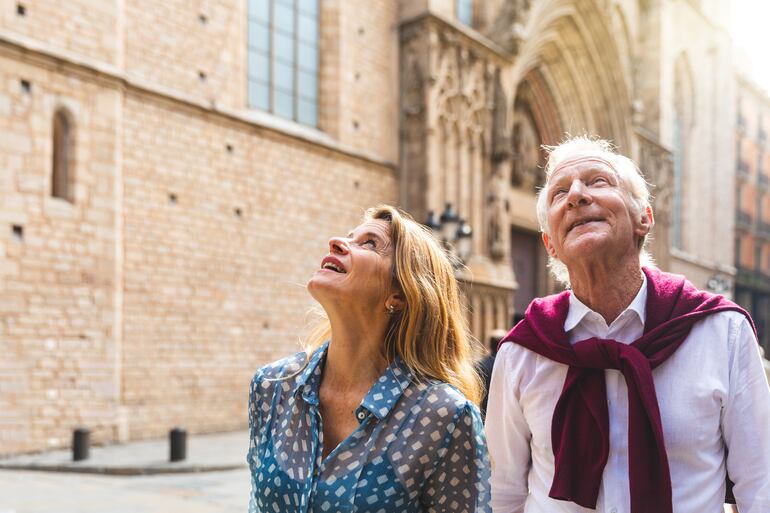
{"x":357,"y":269}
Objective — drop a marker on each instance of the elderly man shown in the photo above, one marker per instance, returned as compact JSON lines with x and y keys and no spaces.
{"x":633,"y":392}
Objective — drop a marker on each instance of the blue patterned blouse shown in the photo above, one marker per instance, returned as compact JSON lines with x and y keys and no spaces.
{"x":419,"y":446}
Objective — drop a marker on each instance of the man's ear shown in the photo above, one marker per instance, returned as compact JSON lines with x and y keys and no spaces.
{"x":548,"y":246}
{"x":646,"y":222}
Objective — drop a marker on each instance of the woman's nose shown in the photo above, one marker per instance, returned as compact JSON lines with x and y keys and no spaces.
{"x":338,"y":245}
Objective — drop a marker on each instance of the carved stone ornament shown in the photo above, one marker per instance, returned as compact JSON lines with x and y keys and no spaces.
{"x":413,"y":99}
{"x":500,"y":136}
{"x":525,"y":167}
{"x":508,"y":28}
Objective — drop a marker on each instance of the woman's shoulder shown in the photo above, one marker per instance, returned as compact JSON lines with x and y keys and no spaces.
{"x":445,"y":401}
{"x":285,"y":370}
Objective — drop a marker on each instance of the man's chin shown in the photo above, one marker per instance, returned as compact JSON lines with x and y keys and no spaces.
{"x":583,"y":245}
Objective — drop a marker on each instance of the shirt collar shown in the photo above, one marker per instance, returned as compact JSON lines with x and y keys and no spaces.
{"x":578,"y":310}
{"x":387,"y":390}
{"x":380,"y":399}
{"x":309,"y":380}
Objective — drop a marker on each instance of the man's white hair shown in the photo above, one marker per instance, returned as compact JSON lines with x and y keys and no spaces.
{"x":629,"y":175}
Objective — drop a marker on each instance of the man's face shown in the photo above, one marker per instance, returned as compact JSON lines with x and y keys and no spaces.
{"x":590,"y":213}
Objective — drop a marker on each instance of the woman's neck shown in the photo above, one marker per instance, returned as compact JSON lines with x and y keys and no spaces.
{"x":355,"y":356}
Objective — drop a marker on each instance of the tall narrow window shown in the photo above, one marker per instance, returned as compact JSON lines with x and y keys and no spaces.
{"x":283,"y":58}
{"x":683,"y":121}
{"x":678,"y":158}
{"x":465,"y":12}
{"x":61,"y":177}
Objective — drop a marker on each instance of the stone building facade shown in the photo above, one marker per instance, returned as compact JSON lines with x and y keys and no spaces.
{"x":752,"y":204}
{"x":171,"y":174}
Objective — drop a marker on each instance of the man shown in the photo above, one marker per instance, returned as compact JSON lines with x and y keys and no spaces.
{"x":633,"y":392}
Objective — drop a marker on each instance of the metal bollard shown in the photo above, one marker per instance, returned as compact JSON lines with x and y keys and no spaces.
{"x":80,"y":444}
{"x":177,"y":438}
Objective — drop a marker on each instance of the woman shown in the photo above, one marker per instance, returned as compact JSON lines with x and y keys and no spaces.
{"x":377,"y":415}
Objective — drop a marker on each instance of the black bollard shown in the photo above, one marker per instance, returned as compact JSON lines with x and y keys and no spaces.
{"x":177,"y":438}
{"x":80,"y":444}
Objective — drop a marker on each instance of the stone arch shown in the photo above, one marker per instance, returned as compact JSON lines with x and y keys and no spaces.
{"x":573,"y":46}
{"x":535,"y":123}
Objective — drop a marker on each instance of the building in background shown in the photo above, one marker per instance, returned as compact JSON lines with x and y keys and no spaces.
{"x":171,"y":174}
{"x":752,"y":204}
{"x":485,"y":84}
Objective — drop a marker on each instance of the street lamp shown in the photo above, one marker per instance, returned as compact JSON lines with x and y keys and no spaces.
{"x":450,"y":221}
{"x":453,"y":231}
{"x":464,"y":241}
{"x":433,"y":225}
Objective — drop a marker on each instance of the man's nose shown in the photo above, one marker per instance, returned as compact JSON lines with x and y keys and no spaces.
{"x":338,"y":245}
{"x":578,"y":194}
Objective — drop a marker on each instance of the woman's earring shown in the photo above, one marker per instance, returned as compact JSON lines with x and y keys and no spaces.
{"x":391,"y":309}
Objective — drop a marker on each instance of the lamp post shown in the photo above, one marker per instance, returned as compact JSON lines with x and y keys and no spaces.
{"x":450,"y":221}
{"x":455,"y":233}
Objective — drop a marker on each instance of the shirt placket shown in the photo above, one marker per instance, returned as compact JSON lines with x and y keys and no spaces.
{"x":321,"y":463}
{"x":317,"y":452}
{"x":615,"y":489}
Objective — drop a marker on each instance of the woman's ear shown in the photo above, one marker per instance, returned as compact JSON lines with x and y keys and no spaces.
{"x":395,"y":301}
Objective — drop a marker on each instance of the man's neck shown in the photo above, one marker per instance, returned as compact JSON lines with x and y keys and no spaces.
{"x":607,"y":289}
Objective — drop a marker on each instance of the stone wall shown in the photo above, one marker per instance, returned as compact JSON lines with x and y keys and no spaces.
{"x":57,"y":328}
{"x":218,"y":246}
{"x":180,"y":266}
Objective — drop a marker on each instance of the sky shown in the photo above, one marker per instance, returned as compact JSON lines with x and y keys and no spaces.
{"x":750,"y":20}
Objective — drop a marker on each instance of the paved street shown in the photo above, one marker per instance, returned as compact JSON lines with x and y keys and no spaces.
{"x":58,"y":492}
{"x":147,"y":482}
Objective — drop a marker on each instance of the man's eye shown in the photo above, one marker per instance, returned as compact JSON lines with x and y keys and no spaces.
{"x":599,"y":180}
{"x":558,"y":192}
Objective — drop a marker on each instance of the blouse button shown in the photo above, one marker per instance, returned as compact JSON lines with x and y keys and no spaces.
{"x":361,"y":415}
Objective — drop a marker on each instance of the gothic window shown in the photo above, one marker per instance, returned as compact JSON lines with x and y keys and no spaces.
{"x":465,"y":12}
{"x":678,"y":161}
{"x":283,"y":58}
{"x":683,"y":120}
{"x":61,"y":176}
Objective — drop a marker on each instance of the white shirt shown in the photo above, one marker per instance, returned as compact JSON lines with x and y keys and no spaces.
{"x":712,"y":393}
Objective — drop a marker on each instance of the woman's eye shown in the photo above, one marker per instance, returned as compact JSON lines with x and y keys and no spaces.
{"x":371,"y":242}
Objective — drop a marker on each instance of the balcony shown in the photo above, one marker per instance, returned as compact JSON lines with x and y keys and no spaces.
{"x":743,"y":168}
{"x":743,"y":220}
{"x":763,"y":229}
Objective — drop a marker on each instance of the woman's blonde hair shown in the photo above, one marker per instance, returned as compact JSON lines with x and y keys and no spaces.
{"x":430,"y":334}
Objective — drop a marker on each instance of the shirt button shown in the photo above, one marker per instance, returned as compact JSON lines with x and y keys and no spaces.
{"x":614,"y":510}
{"x":361,"y":415}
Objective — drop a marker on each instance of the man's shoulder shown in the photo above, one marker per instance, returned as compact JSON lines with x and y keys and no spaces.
{"x":516,"y":356}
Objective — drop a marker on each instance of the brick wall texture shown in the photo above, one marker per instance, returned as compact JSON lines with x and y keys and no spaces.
{"x":179,"y":268}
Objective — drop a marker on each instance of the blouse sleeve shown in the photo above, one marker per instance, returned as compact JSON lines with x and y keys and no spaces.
{"x":460,"y":482}
{"x":255,"y":425}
